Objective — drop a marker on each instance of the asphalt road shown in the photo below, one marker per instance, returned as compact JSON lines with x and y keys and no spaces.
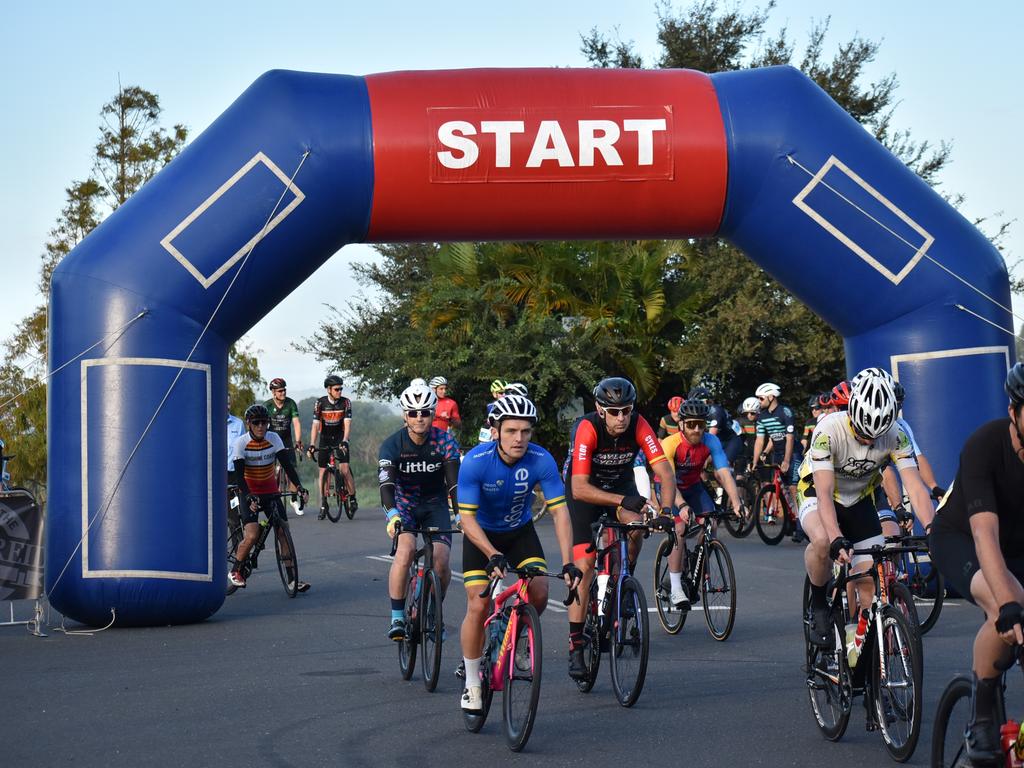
{"x":310,"y":681}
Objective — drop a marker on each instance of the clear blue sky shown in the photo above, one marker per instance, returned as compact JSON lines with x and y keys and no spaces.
{"x":958,"y":66}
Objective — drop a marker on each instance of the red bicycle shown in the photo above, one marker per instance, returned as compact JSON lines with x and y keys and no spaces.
{"x":512,"y":656}
{"x":774,"y":516}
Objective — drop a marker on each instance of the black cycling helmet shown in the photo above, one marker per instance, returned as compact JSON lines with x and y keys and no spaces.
{"x":900,"y":392}
{"x":1015,"y":384}
{"x":694,"y":409}
{"x":614,"y":392}
{"x":814,"y":401}
{"x":699,"y":393}
{"x":333,"y":381}
{"x":257,"y":412}
{"x":278,"y":383}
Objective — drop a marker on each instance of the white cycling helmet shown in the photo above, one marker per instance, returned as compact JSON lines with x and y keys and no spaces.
{"x":871,"y":372}
{"x":873,"y":405}
{"x":418,"y":382}
{"x":512,"y":407}
{"x":438,"y":381}
{"x":515,"y":388}
{"x":750,"y":405}
{"x":418,"y":397}
{"x":768,"y":390}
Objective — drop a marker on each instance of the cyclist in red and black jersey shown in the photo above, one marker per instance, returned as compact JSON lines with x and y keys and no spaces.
{"x":603,"y":447}
{"x":332,"y":420}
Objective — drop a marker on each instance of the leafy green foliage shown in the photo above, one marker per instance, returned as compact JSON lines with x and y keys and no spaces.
{"x":245,"y":385}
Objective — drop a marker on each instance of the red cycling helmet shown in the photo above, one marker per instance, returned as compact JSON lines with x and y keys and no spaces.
{"x":277,"y":383}
{"x":841,"y":394}
{"x":674,"y":403}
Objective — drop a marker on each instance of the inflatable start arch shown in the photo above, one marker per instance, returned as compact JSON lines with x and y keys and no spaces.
{"x":302,"y":164}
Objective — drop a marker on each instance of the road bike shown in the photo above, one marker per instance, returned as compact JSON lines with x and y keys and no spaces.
{"x":707,"y":572}
{"x":774,"y":515}
{"x":284,"y":546}
{"x":512,"y":656}
{"x":423,"y":612}
{"x":616,"y":620}
{"x":283,"y":484}
{"x":741,"y":524}
{"x":887,"y":671}
{"x":333,"y":485}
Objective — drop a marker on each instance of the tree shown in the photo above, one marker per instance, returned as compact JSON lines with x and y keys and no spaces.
{"x":132,"y":148}
{"x":245,"y":384}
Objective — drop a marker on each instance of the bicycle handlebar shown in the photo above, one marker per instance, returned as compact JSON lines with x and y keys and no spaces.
{"x":530,"y":573}
{"x":400,"y":529}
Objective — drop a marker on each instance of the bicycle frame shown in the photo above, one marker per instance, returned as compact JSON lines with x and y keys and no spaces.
{"x":501,"y":669}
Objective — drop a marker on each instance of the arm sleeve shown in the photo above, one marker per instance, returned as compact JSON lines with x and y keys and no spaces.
{"x":451,"y":480}
{"x":551,"y":484}
{"x":787,"y":419}
{"x":583,"y":446}
{"x":348,"y":408}
{"x":648,"y":442}
{"x":669,"y":445}
{"x":469,"y":489}
{"x":287,"y":459}
{"x":717,"y":454}
{"x":238,"y":475}
{"x":759,"y":427}
{"x":317,"y":405}
{"x":387,"y":474}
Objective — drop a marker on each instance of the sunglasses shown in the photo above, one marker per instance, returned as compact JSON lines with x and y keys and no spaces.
{"x":280,"y":389}
{"x":695,"y":424}
{"x":260,"y":423}
{"x":425,"y":413}
{"x":335,"y":389}
{"x":624,"y":411}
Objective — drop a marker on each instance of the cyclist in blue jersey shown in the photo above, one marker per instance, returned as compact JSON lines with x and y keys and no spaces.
{"x":418,"y":470}
{"x":775,"y":423}
{"x":496,"y":483}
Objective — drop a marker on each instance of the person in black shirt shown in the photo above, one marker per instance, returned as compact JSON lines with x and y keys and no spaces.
{"x":977,"y":542}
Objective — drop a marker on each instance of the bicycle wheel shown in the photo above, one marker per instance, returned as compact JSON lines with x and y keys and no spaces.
{"x":671,"y":618}
{"x":522,"y":688}
{"x":927,"y":585}
{"x":901,"y":599}
{"x":431,"y":629}
{"x":630,"y":643}
{"x":740,"y":526}
{"x":951,"y":718}
{"x":769,"y":516}
{"x":718,"y":590}
{"x":829,"y":683}
{"x":350,"y":511}
{"x":334,"y":513}
{"x":234,"y":539}
{"x":896,"y":683}
{"x":475,"y":721}
{"x":287,"y":564}
{"x":592,"y":637}
{"x":407,"y":647}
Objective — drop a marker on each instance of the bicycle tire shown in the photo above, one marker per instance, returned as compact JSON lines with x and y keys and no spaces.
{"x":717,"y":558}
{"x":518,"y":725}
{"x":772,"y":528}
{"x":350,"y":511}
{"x":630,"y":641}
{"x":671,"y":618}
{"x":334,"y":514}
{"x":829,"y":682}
{"x":475,"y":721}
{"x":948,"y":748}
{"x":929,"y":590}
{"x":234,"y":539}
{"x":892,"y":649}
{"x":740,"y":527}
{"x":592,"y":640}
{"x":431,"y":629}
{"x":407,"y":646}
{"x":903,"y":601}
{"x":289,"y":571}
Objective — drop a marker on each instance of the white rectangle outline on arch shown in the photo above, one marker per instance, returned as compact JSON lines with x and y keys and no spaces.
{"x":206,"y":282}
{"x":895,"y":360}
{"x":88,"y":573}
{"x":834,"y":162}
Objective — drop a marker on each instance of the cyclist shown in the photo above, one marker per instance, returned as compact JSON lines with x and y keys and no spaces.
{"x":775,"y":423}
{"x":496,"y":485}
{"x":603,"y":448}
{"x":668,"y":424}
{"x":446,"y":415}
{"x":418,"y":469}
{"x":836,"y":489}
{"x":332,"y":420}
{"x":497,"y":392}
{"x":719,"y":424}
{"x":253,"y":458}
{"x":688,"y":452}
{"x":977,"y":542}
{"x":814,"y":403}
{"x":284,"y":420}
{"x":749,"y":409}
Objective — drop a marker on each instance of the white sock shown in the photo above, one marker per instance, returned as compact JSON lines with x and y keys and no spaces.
{"x":472,"y":671}
{"x":677,"y":580}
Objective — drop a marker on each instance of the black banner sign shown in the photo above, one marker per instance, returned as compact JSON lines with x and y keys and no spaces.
{"x":21,"y":546}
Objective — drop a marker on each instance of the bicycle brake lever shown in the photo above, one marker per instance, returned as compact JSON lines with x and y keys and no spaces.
{"x":574,"y":596}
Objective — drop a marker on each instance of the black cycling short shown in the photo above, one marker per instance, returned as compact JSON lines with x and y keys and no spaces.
{"x":248,"y":516}
{"x":857,"y":522}
{"x":583,"y":515}
{"x":287,"y":438}
{"x":331,"y":441}
{"x":430,"y":513}
{"x":520,"y":546}
{"x":953,"y":552}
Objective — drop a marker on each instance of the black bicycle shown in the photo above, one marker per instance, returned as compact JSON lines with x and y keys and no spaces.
{"x":887,"y":670}
{"x":918,"y":574}
{"x":707,"y":572}
{"x":284,"y":546}
{"x":742,"y":523}
{"x":616,"y":618}
{"x":423,"y":612}
{"x":333,"y":485}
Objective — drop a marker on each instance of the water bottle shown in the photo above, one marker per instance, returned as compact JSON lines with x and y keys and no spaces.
{"x":419,"y":582}
{"x":853,"y":645}
{"x":1009,"y":735}
{"x":602,"y":589}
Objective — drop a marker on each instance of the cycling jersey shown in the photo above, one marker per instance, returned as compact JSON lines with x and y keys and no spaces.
{"x":447,"y":411}
{"x":688,"y":460}
{"x":259,"y":456}
{"x":718,"y":418}
{"x":332,"y":416}
{"x":609,"y":460}
{"x":411,"y":474}
{"x":281,"y":418}
{"x":668,"y":425}
{"x":857,"y":467}
{"x":776,"y":425}
{"x":808,"y":429}
{"x":500,"y":495}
